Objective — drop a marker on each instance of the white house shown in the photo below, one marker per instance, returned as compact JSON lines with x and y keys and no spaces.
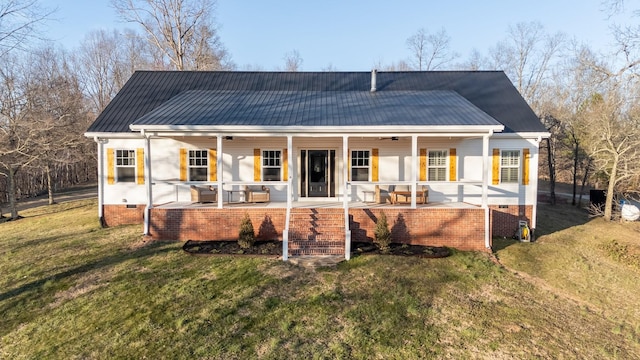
{"x":451,"y":157}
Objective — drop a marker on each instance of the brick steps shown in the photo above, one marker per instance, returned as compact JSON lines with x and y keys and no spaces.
{"x":316,"y":232}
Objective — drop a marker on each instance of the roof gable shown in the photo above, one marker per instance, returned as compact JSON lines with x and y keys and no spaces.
{"x":480,"y":97}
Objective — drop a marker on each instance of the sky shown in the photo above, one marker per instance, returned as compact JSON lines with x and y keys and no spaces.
{"x":355,"y":35}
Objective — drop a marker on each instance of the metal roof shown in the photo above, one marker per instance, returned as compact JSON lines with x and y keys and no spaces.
{"x":317,"y":108}
{"x":318,"y":98}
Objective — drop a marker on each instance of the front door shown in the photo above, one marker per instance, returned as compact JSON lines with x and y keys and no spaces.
{"x":317,"y":173}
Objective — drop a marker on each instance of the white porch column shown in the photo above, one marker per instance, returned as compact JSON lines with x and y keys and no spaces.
{"x":414,"y":169}
{"x":219,"y":169}
{"x":345,"y":199}
{"x":289,"y":170}
{"x":485,"y":188}
{"x":148,"y":183}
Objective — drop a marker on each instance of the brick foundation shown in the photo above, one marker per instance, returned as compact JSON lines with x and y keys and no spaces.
{"x":115,"y":215}
{"x":504,"y":221}
{"x":458,"y":228}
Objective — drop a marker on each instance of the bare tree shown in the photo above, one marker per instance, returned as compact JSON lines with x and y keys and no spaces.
{"x":182,"y":30}
{"x":19,"y":21}
{"x":527,"y":56}
{"x":430,"y":51}
{"x":293,"y":61}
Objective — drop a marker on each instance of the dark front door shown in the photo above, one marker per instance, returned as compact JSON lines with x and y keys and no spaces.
{"x":318,"y":167}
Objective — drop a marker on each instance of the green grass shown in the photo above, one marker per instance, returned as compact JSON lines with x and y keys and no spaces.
{"x":70,"y":289}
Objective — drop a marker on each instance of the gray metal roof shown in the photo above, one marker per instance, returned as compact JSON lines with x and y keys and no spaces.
{"x":317,"y":108}
{"x":316,"y":96}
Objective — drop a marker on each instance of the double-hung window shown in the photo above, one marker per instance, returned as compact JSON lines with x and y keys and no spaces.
{"x":509,"y":166}
{"x":360,"y":165}
{"x":198,"y":165}
{"x":271,"y":165}
{"x":437,"y":165}
{"x":125,"y":165}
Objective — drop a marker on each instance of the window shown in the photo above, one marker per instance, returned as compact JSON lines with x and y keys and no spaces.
{"x":198,"y":165}
{"x":360,"y":165}
{"x":509,"y":166}
{"x":437,"y":165}
{"x":125,"y":165}
{"x":271,"y":165}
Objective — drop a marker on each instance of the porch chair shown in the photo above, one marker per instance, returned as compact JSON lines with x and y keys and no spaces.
{"x":256,"y":193}
{"x":401,"y":193}
{"x":201,"y":194}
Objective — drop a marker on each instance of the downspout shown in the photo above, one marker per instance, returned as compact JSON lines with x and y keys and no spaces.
{"x":147,"y":172}
{"x":534,"y":210}
{"x":100,"y":143}
{"x":485,"y":190}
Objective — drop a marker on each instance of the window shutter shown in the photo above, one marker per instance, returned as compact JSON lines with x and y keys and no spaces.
{"x":285,"y":165}
{"x":111,"y":167}
{"x":525,"y":166}
{"x":140,"y":166}
{"x":256,"y":165}
{"x":496,"y":167}
{"x":423,"y":164}
{"x":374,"y":164}
{"x":213,"y":165}
{"x":183,"y":164}
{"x":453,"y":164}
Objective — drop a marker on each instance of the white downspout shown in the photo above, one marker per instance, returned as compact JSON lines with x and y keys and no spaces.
{"x":100,"y":143}
{"x":345,"y":199}
{"x":534,"y":211}
{"x":147,"y":172}
{"x":485,"y":189}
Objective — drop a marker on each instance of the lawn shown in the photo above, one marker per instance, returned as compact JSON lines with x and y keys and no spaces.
{"x":70,"y":289}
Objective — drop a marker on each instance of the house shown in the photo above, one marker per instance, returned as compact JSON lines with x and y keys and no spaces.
{"x":450,"y":157}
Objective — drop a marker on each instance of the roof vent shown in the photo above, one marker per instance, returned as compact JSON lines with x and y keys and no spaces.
{"x":374,"y":74}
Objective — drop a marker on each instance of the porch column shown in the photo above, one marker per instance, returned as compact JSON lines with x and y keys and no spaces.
{"x":219,"y":170}
{"x":289,"y":170}
{"x":100,"y":143}
{"x":147,"y":172}
{"x":414,"y":169}
{"x":345,"y":200}
{"x":485,"y":188}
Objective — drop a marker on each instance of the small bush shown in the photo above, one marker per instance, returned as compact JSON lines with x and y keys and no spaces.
{"x":382,"y":233}
{"x":246,"y":237}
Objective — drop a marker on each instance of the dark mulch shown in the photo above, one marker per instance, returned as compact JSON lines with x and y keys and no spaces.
{"x":274,"y":248}
{"x":422,"y":251}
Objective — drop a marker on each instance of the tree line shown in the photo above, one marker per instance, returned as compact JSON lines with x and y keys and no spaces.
{"x":49,"y":96}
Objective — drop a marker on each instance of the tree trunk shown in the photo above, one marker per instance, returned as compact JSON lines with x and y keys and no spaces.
{"x":584,"y":181}
{"x":552,"y":173}
{"x":11,"y":180}
{"x":608,"y":206}
{"x":576,"y":152}
{"x":49,"y":187}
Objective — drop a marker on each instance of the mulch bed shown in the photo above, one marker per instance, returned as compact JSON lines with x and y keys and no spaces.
{"x":274,"y":248}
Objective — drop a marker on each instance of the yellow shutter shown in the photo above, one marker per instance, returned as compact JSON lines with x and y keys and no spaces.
{"x":453,"y":164}
{"x":183,"y":164}
{"x":496,"y":167}
{"x":111,"y":179}
{"x":285,"y":165}
{"x":374,"y":164}
{"x":256,"y":165}
{"x":423,"y":164}
{"x":525,"y":166}
{"x":140,"y":166}
{"x":213,"y":165}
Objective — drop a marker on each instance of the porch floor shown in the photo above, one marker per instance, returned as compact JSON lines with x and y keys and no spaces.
{"x":315,"y":204}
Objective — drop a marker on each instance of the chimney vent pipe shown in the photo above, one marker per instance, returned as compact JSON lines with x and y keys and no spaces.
{"x":374,"y":74}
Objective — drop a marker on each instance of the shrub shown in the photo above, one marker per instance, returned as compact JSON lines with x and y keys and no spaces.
{"x":246,"y":236}
{"x":382,"y":233}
